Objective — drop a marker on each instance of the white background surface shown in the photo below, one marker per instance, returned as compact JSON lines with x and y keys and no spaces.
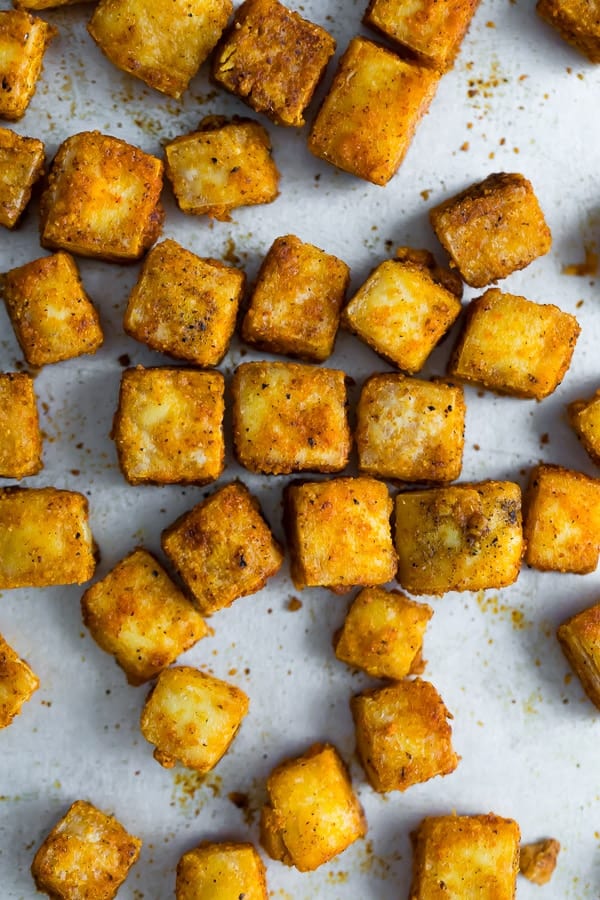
{"x":527,"y":738}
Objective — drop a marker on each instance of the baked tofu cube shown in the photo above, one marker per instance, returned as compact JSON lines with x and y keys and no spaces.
{"x":223,"y":548}
{"x":164,"y":44}
{"x":579,"y":638}
{"x":383,"y":634}
{"x":222,"y":165}
{"x":584,"y":416}
{"x":192,"y":718}
{"x":312,"y":813}
{"x":562,"y":520}
{"x":410,"y":430}
{"x":102,"y":199}
{"x":20,"y":435}
{"x":88,"y":854}
{"x":221,"y":871}
{"x":169,"y":426}
{"x":21,"y":165}
{"x":576,"y":21}
{"x":23,"y":42}
{"x":537,"y":861}
{"x":296,"y":302}
{"x":184,"y":305}
{"x":17,"y":683}
{"x":45,"y":538}
{"x":465,"y":856}
{"x":492,"y":229}
{"x":402,"y":312}
{"x":467,"y":537}
{"x":368,"y":118}
{"x":53,"y":317}
{"x":290,"y":418}
{"x":339,"y":533}
{"x":139,"y":615}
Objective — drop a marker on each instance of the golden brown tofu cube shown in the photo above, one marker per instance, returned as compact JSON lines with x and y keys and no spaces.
{"x":45,"y":538}
{"x":290,"y":418}
{"x":273,"y":59}
{"x":467,"y":537}
{"x":383,"y":634}
{"x":537,"y":861}
{"x":576,"y":21}
{"x":20,"y":435}
{"x":465,"y":856}
{"x":562,"y":520}
{"x":410,"y":430}
{"x":53,"y":317}
{"x":43,"y":4}
{"x":223,"y":548}
{"x":21,"y":165}
{"x":192,"y":718}
{"x":139,"y":615}
{"x":312,"y":813}
{"x":222,"y":165}
{"x":584,"y":416}
{"x":102,"y":199}
{"x":221,"y":871}
{"x":88,"y":854}
{"x":17,"y":683}
{"x":368,"y":119}
{"x":296,"y":302}
{"x":402,"y":312}
{"x":23,"y":42}
{"x":169,"y":426}
{"x":492,"y":229}
{"x":579,"y":638}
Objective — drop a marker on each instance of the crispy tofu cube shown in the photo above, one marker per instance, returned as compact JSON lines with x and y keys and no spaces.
{"x":562,"y":520}
{"x":584,"y":416}
{"x":102,"y":199}
{"x":222,"y":165}
{"x":221,"y":871}
{"x":312,"y":813}
{"x":383,"y":634}
{"x":23,"y":42}
{"x":184,"y":305}
{"x":45,"y":538}
{"x":467,"y":537}
{"x":290,"y":418}
{"x":537,"y":861}
{"x":579,"y":638}
{"x":576,"y":21}
{"x":223,"y":548}
{"x":20,"y":435}
{"x":192,"y":718}
{"x":17,"y":683}
{"x":368,"y":119}
{"x":492,"y":229}
{"x":88,"y":854}
{"x":21,"y":165}
{"x":43,"y":4}
{"x":339,"y":533}
{"x":465,"y":856}
{"x":296,"y":302}
{"x":139,"y":615}
{"x":53,"y":317}
{"x":409,"y":429}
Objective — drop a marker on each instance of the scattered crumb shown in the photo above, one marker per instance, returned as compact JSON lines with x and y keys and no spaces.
{"x":588,"y":267}
{"x":294,"y":604}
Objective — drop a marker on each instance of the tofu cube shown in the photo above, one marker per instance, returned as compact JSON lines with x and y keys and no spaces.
{"x":383,"y":634}
{"x":471,"y":856}
{"x":222,"y":165}
{"x":163,"y":44}
{"x":537,"y":861}
{"x":576,"y":21}
{"x":102,"y":199}
{"x":584,"y":416}
{"x":579,"y":638}
{"x":221,"y":871}
{"x":192,"y":718}
{"x":21,"y":165}
{"x":562,"y":520}
{"x":312,"y":813}
{"x":368,"y":119}
{"x":223,"y":548}
{"x":139,"y":615}
{"x":88,"y":854}
{"x":290,"y":418}
{"x":467,"y":537}
{"x":410,"y":430}
{"x":492,"y":229}
{"x":184,"y":305}
{"x":45,"y":538}
{"x":17,"y":683}
{"x":42,"y":4}
{"x":296,"y":302}
{"x":53,"y":317}
{"x":23,"y":41}
{"x":20,"y":435}
{"x":273,"y":59}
